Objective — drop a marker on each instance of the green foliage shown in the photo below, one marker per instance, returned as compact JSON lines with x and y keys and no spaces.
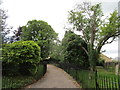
{"x":40,"y":72}
{"x":40,"y":32}
{"x":100,"y":62}
{"x":22,"y":81}
{"x":96,"y":31}
{"x":74,"y":53}
{"x":21,"y":52}
{"x":20,"y":57}
{"x":16,"y":81}
{"x":111,"y":26}
{"x":56,"y":51}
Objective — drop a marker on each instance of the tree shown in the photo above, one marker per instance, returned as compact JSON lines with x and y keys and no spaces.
{"x":42,"y":33}
{"x":56,"y":51}
{"x":3,"y":18}
{"x":73,"y":51}
{"x":3,"y":29}
{"x":96,"y":32}
{"x":16,"y":36}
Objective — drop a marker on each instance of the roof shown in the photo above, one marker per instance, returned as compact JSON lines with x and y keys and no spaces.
{"x":107,"y":59}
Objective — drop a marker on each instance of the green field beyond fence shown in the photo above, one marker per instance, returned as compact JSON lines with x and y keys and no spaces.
{"x":108,"y":81}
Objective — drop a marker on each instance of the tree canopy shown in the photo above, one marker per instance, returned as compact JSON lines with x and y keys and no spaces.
{"x":73,"y":49}
{"x":42,"y":33}
{"x":96,"y":31}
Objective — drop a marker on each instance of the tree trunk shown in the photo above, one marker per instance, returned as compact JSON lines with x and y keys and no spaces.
{"x":92,"y":58}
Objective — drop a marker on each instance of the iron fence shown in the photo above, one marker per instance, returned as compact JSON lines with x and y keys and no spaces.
{"x":21,"y":81}
{"x":95,"y":80}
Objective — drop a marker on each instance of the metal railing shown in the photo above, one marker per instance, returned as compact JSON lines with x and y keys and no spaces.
{"x":21,"y":81}
{"x":89,"y":79}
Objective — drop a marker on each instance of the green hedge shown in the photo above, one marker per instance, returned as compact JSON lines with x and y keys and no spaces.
{"x":22,"y":56}
{"x":21,"y":51}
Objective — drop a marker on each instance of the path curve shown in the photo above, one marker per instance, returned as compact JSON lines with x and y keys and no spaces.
{"x":55,"y":78}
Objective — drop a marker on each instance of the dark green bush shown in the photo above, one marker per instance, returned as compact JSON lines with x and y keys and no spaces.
{"x":21,"y":54}
{"x":10,"y":69}
{"x":74,"y":54}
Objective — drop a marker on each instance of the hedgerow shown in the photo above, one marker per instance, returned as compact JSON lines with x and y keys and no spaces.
{"x":21,"y":54}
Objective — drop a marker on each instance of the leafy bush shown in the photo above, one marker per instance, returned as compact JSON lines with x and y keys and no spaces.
{"x":21,"y":51}
{"x":19,"y":54}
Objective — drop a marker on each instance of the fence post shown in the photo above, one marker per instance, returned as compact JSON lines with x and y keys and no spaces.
{"x":96,"y":83}
{"x":45,"y":68}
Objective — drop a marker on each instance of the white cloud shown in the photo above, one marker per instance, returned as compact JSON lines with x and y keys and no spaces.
{"x":52,"y":11}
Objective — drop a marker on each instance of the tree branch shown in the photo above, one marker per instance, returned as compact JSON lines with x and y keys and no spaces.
{"x":110,"y":41}
{"x":103,"y":40}
{"x":85,"y":50}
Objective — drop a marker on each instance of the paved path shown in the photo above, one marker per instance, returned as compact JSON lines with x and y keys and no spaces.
{"x":55,"y":78}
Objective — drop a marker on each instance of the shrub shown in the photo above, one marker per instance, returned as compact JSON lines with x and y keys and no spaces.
{"x":20,"y":53}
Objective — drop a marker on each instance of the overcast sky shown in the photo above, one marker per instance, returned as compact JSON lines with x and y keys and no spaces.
{"x":55,"y":13}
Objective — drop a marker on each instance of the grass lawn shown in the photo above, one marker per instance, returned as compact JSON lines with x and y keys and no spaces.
{"x":109,"y":72}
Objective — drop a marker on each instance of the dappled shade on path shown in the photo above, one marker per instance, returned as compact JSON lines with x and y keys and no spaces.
{"x":55,"y":78}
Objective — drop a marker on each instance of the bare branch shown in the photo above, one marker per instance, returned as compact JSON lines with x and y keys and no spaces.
{"x":110,"y":41}
{"x":85,"y":50}
{"x":104,"y":40}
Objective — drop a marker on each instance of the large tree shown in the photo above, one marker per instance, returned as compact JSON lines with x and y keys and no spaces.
{"x":96,"y":31}
{"x":42,"y":33}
